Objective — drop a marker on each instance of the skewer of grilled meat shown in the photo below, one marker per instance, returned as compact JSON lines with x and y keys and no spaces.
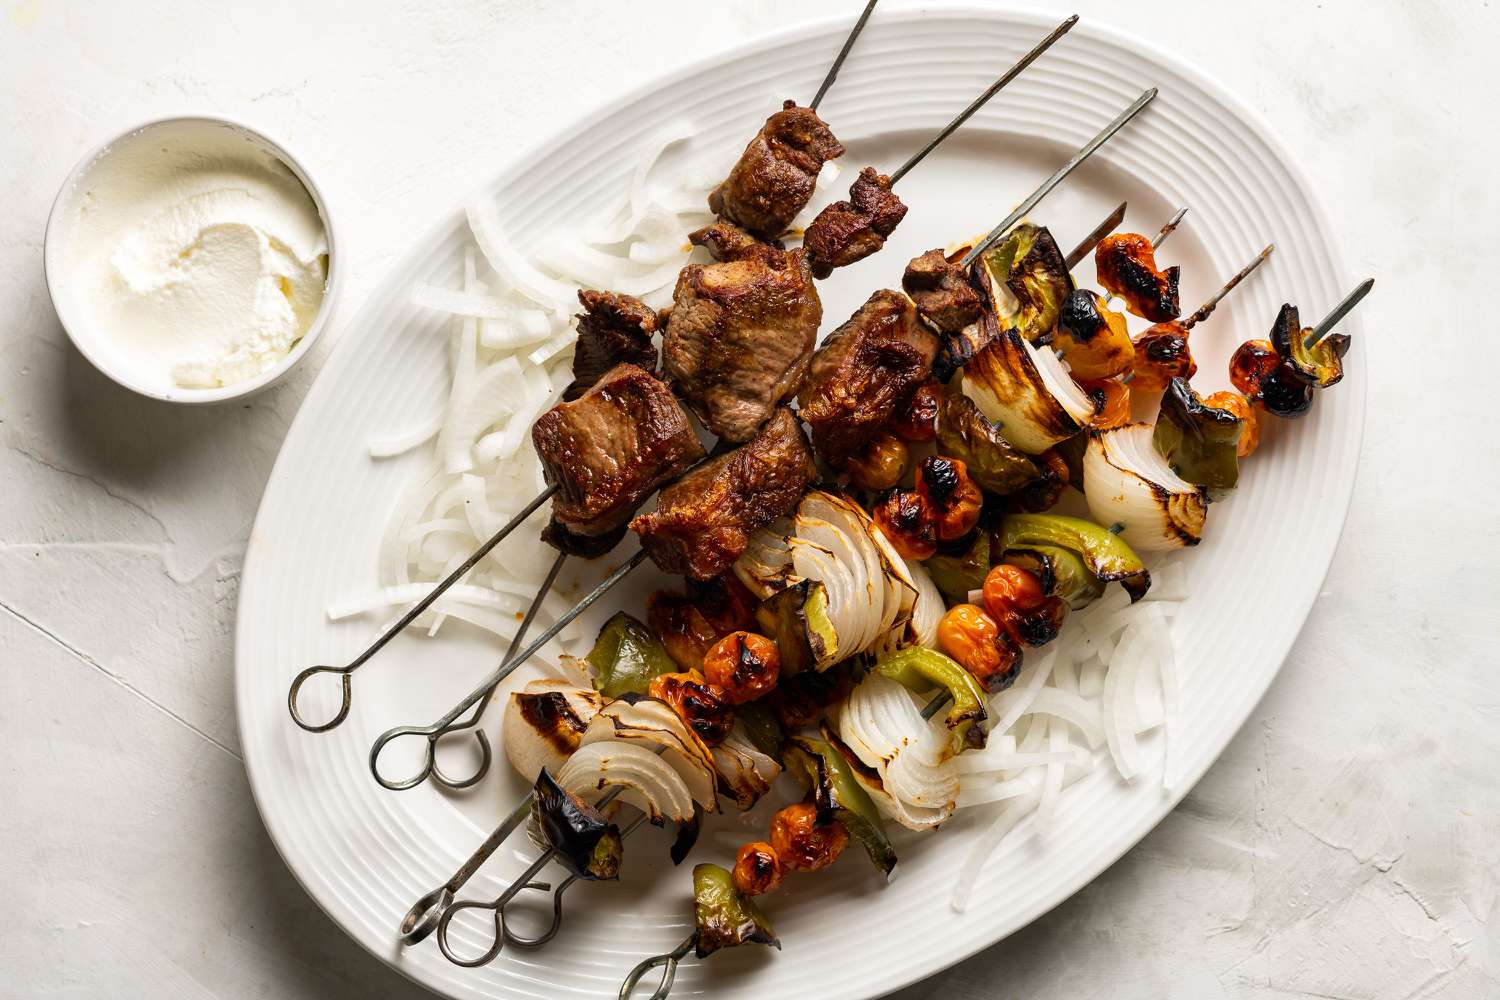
{"x":861,"y":372}
{"x":740,"y":331}
{"x":773,"y":179}
{"x":703,"y":521}
{"x":851,"y":230}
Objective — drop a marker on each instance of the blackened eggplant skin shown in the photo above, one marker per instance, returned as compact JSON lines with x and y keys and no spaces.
{"x":584,"y":842}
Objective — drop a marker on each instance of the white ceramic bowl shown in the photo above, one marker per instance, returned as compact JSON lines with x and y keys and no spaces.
{"x":87,"y":338}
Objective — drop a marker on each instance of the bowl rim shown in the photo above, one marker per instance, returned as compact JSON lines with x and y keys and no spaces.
{"x":53,"y":269}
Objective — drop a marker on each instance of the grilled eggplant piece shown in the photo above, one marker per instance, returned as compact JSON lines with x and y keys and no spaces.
{"x":1027,"y":280}
{"x":965,"y":433}
{"x":740,"y":335}
{"x":611,"y":448}
{"x":613,"y":329}
{"x":724,"y":916}
{"x":703,"y":521}
{"x":861,"y":372}
{"x":849,"y":231}
{"x":1126,"y":266}
{"x":584,"y":842}
{"x":1199,"y":442}
{"x":773,"y":178}
{"x":1321,"y":365}
{"x":1092,"y":338}
{"x":1026,"y":392}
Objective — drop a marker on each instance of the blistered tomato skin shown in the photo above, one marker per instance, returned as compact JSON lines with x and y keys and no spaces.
{"x":1111,"y":401}
{"x":744,"y":666}
{"x":974,"y":639}
{"x":700,"y":704}
{"x":804,"y":844}
{"x":945,"y":485}
{"x":1237,"y":404}
{"x":908,"y":522}
{"x":1016,"y":600}
{"x":1161,"y":354}
{"x":1284,"y":394}
{"x":757,"y":868}
{"x":1252,"y":361}
{"x":880,"y":465}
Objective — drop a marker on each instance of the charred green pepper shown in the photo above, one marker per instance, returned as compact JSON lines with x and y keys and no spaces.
{"x":965,"y":433}
{"x":1200,"y":442}
{"x":724,"y":917}
{"x":958,"y":573}
{"x":797,"y":618}
{"x":920,"y":670}
{"x":1105,"y":555}
{"x":626,"y":656}
{"x":1320,"y":365}
{"x":762,"y":727}
{"x":838,"y":794}
{"x":583,"y":841}
{"x":1027,"y":281}
{"x":1061,"y":571}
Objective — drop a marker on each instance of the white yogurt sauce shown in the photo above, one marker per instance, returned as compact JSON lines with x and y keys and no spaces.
{"x":194,"y":257}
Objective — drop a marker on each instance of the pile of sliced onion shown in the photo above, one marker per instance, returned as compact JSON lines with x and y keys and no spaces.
{"x":1127,"y":482}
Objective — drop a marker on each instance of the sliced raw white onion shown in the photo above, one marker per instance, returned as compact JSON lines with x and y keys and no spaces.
{"x":1127,"y":482}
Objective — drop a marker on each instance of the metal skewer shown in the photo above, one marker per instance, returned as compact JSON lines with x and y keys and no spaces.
{"x":1086,"y":245}
{"x":996,"y":234}
{"x":345,"y":673}
{"x":838,"y":60}
{"x":429,"y":766}
{"x":983,"y":99}
{"x":1338,"y":312}
{"x":1208,"y":307}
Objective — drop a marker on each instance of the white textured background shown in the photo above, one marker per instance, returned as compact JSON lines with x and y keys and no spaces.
{"x":1347,"y":845}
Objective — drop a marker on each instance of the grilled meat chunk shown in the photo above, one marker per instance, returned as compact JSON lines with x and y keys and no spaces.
{"x":860,"y":373}
{"x":610,"y":448}
{"x":739,"y":337}
{"x":940,"y":287}
{"x":613,"y":329}
{"x":582,"y":546}
{"x":773,"y":179}
{"x":849,"y":231}
{"x":702,"y":521}
{"x":725,"y":241}
{"x":1126,"y":266}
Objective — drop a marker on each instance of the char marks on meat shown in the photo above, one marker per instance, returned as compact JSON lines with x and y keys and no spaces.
{"x":611,"y":448}
{"x":703,"y":521}
{"x":582,"y":546}
{"x":862,"y":371}
{"x":940,"y":287}
{"x":725,"y":241}
{"x":773,"y":178}
{"x":848,"y":231}
{"x":613,"y":329}
{"x":739,"y":337}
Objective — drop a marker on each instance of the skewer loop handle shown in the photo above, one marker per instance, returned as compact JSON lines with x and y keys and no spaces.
{"x":668,"y":961}
{"x":346,"y":693}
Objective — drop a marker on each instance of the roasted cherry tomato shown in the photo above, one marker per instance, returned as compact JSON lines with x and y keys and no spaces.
{"x":881,"y":464}
{"x":743,"y":665}
{"x":1240,"y":406}
{"x":804,"y":844}
{"x":1252,"y":361}
{"x":908,"y":521}
{"x":757,"y":868}
{"x":954,"y":499}
{"x":701,"y":705}
{"x":1161,"y":354}
{"x":976,"y":641}
{"x":1017,"y":601}
{"x":1111,"y":403}
{"x":1283,"y":393}
{"x":915,"y":419}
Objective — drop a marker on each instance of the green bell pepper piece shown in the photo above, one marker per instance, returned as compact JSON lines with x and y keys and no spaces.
{"x":822,"y":764}
{"x":626,"y":656}
{"x":920,"y":670}
{"x":1104,"y":554}
{"x":1199,"y":442}
{"x":1032,"y":268}
{"x":724,"y":916}
{"x":1320,"y":365}
{"x":797,"y":618}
